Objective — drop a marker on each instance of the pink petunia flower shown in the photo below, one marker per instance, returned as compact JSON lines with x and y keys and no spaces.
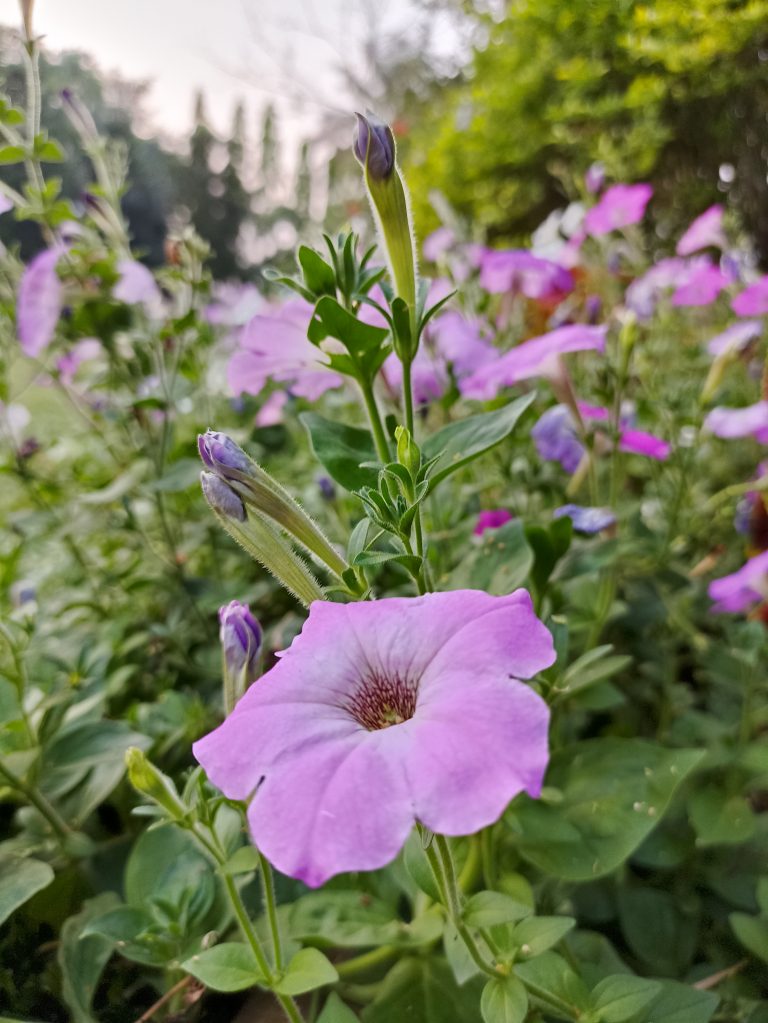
{"x":740,"y":590}
{"x":383,"y":713}
{"x":620,"y":206}
{"x":82,"y":351}
{"x":438,"y":243}
{"x":752,"y":301}
{"x":39,"y":301}
{"x":136,"y":285}
{"x":535,"y":357}
{"x":704,"y":231}
{"x":276,"y":347}
{"x":518,"y":270}
{"x":271,"y":412}
{"x":635,"y":442}
{"x":729,"y":423}
{"x":491,"y":518}
{"x":736,"y":338}
{"x":704,"y":283}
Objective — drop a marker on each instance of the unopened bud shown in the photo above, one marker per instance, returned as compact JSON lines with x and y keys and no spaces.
{"x":241,"y":639}
{"x":374,"y":146}
{"x":408,"y":453}
{"x":221,"y":497}
{"x":151,"y":782}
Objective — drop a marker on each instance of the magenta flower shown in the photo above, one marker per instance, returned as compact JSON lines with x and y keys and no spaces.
{"x":438,"y":243}
{"x":752,"y":301}
{"x":271,"y":412}
{"x":704,"y":283}
{"x":518,"y":270}
{"x":638,"y":442}
{"x":383,"y":713}
{"x":535,"y":357}
{"x":704,"y":231}
{"x":276,"y":347}
{"x":644,"y":292}
{"x":491,"y":518}
{"x":82,"y":351}
{"x":740,"y":590}
{"x":729,"y":423}
{"x":136,"y":285}
{"x":620,"y":206}
{"x":39,"y":302}
{"x":736,"y":338}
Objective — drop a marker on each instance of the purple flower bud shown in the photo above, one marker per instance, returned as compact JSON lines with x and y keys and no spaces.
{"x":374,"y":146}
{"x":221,"y":455}
{"x":326,"y":487}
{"x":221,"y":497}
{"x":586,"y":520}
{"x":241,"y":639}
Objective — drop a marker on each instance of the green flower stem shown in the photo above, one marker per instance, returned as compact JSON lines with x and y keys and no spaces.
{"x":379,"y":437}
{"x":440,"y":860}
{"x":58,"y":825}
{"x":410,"y":426}
{"x":213,"y":847}
{"x":366,"y":961}
{"x":268,"y":892}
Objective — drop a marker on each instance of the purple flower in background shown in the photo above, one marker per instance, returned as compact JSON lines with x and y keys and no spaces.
{"x":752,"y":301}
{"x":620,"y":206}
{"x":535,"y":357}
{"x":735,"y":338}
{"x":518,"y":270}
{"x":556,"y":440}
{"x":438,"y":243}
{"x":5,"y":203}
{"x":491,"y":518}
{"x":82,"y":351}
{"x":459,"y":342}
{"x":428,"y":377}
{"x":383,"y":713}
{"x":705,"y":230}
{"x":276,"y":347}
{"x":704,"y":283}
{"x":241,"y":639}
{"x":594,"y":179}
{"x":136,"y":285}
{"x":586,"y":520}
{"x":271,"y":412}
{"x":740,"y":590}
{"x":643,"y":293}
{"x":39,"y":302}
{"x":232,"y":305}
{"x":729,"y":423}
{"x":326,"y":487}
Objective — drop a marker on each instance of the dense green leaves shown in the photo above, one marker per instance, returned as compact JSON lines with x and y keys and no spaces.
{"x":227,"y":967}
{"x":20,"y":879}
{"x":614,"y":792}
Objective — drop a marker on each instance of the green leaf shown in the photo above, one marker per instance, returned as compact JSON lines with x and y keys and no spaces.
{"x":230,"y":966}
{"x":120,"y":925}
{"x":309,"y":969}
{"x":461,"y":442}
{"x":372,"y":559}
{"x":243,"y":861}
{"x":335,"y":1011}
{"x":11,"y":154}
{"x":342,"y":449}
{"x":82,"y":957}
{"x":485,"y":909}
{"x":498,"y":564}
{"x":540,"y":933}
{"x":659,"y":929}
{"x":20,"y":879}
{"x":48,"y":151}
{"x":620,"y":997}
{"x":417,"y":865}
{"x":679,"y":1003}
{"x":423,"y":991}
{"x":592,"y":667}
{"x":614,"y":792}
{"x":551,"y":979}
{"x":504,"y":1001}
{"x":343,"y":919}
{"x":752,"y":932}
{"x":330,"y":319}
{"x":318,"y":275}
{"x":720,"y":817}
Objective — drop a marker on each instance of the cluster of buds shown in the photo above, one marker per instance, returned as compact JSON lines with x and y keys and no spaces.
{"x":256,"y":511}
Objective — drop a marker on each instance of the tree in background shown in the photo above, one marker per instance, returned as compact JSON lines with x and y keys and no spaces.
{"x":658,"y":89}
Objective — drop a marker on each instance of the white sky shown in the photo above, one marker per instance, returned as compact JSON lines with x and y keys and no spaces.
{"x":230,"y":49}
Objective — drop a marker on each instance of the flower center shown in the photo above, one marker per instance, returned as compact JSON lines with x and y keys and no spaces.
{"x":381,"y":701}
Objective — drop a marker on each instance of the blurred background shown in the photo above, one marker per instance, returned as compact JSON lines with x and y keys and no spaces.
{"x":237,"y":116}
